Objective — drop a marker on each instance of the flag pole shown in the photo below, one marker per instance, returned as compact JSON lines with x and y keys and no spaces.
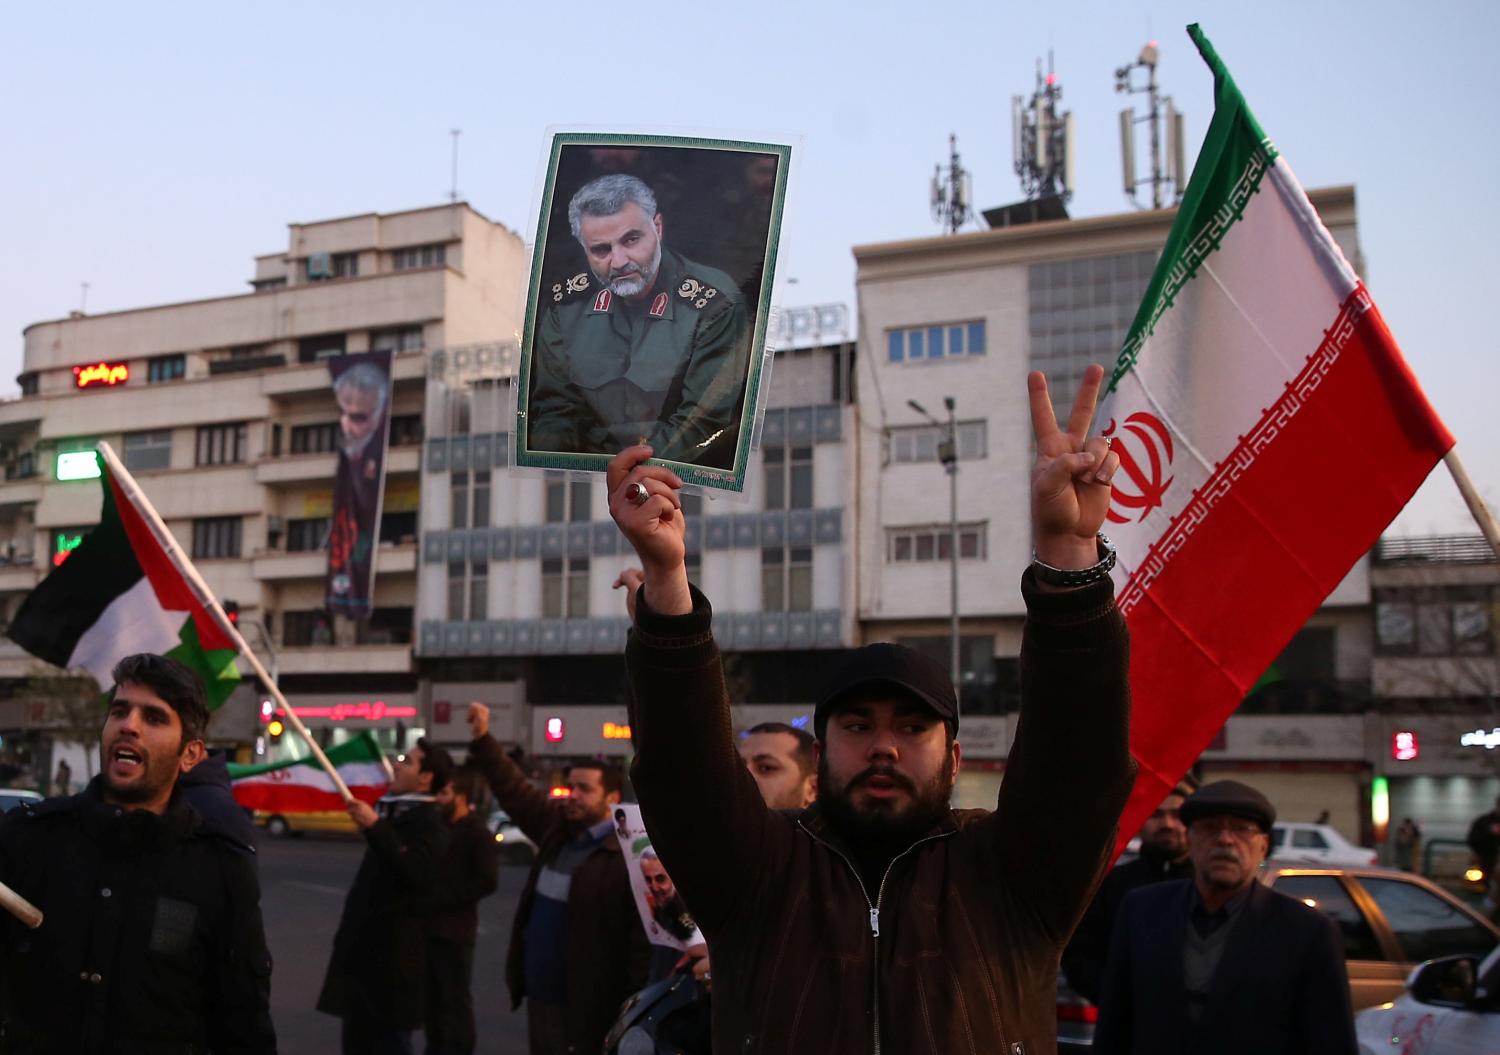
{"x":206,"y":598}
{"x":19,"y":907}
{"x":1477,"y":509}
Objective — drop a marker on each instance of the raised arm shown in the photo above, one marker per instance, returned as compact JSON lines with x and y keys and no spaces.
{"x":531,"y":809}
{"x":702,"y":808}
{"x":1070,"y":764}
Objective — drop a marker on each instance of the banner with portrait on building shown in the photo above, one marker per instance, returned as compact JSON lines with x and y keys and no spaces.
{"x":663,"y":913}
{"x":362,"y":391}
{"x":650,"y":293}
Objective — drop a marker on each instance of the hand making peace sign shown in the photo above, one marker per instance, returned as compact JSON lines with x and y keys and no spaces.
{"x":1070,"y":482}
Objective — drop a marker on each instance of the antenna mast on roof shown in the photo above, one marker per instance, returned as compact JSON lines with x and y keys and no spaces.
{"x":453,"y":192}
{"x":952,"y":194}
{"x":1160,"y":111}
{"x":1042,"y":139}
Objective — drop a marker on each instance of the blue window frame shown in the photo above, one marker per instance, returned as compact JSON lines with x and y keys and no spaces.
{"x":946,"y":341}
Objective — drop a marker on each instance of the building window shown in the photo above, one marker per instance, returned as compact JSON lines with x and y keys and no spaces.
{"x":398,"y":528}
{"x":222,"y":444}
{"x":569,"y":501}
{"x":145,"y":451}
{"x":1434,"y":621}
{"x":932,"y":542}
{"x":919,"y":443}
{"x":386,"y":626}
{"x":406,"y":430}
{"x":565,"y":588}
{"x":470,"y":505}
{"x":307,"y":535}
{"x":789,"y":477}
{"x":323,"y":346}
{"x":419,"y":256}
{"x":166,"y":368}
{"x":1080,"y":312}
{"x":302,"y":629}
{"x":926,"y":343}
{"x":216,"y":537}
{"x":786,"y":578}
{"x":29,"y":383}
{"x":468,"y":589}
{"x":402,"y":339}
{"x":315,"y":439}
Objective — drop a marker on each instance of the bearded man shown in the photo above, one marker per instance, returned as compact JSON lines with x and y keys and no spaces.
{"x":880,"y":918}
{"x":644,"y":346}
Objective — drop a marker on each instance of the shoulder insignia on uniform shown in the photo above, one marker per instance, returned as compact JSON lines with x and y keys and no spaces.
{"x":579,"y":283}
{"x":601,"y":302}
{"x":659,"y":306}
{"x":696,"y":292}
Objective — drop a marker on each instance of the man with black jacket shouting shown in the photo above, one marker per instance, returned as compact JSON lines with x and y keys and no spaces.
{"x":880,"y":919}
{"x":152,"y":938}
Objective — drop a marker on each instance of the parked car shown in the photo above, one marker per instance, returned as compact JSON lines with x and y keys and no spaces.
{"x":1451,"y":1006}
{"x":1321,"y":843}
{"x":279,"y":825}
{"x":515,"y":848}
{"x":10,"y":798}
{"x":1390,"y":922}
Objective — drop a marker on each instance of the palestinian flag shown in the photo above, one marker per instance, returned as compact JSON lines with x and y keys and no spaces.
{"x":121,"y":592}
{"x":302,"y":786}
{"x":1268,"y":431}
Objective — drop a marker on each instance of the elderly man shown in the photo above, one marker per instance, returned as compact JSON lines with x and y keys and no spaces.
{"x":880,"y":919}
{"x":1221,"y":964}
{"x":362,"y":389}
{"x":643,"y":346}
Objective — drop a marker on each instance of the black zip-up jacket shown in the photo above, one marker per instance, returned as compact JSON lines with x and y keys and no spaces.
{"x":152,"y":942}
{"x":955,"y":951}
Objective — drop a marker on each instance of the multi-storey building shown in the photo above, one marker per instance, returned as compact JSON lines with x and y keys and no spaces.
{"x":515,"y":592}
{"x":965,"y":317}
{"x":222,"y":410}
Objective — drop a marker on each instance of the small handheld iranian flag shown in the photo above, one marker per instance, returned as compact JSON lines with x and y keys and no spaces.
{"x":121,"y":592}
{"x":1268,"y":430}
{"x":303,"y":786}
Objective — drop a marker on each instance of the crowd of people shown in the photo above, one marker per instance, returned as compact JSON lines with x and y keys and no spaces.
{"x":846,"y":906}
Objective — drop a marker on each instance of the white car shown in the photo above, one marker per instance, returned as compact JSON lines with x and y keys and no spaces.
{"x":1451,"y":1007}
{"x":10,"y":798}
{"x":1317,"y":844}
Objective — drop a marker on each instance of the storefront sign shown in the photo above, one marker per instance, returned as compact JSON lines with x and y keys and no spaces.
{"x":1404,"y":747}
{"x":64,"y":545}
{"x":107,"y":374}
{"x":612,"y":731}
{"x":363,"y":711}
{"x":77,"y":465}
{"x":1489,"y":740}
{"x":556,"y":729}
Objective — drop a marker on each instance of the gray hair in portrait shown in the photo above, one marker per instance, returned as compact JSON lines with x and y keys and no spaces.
{"x":365,"y":377}
{"x":606,"y":196}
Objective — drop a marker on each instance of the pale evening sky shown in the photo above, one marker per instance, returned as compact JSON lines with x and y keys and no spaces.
{"x":152,"y":149}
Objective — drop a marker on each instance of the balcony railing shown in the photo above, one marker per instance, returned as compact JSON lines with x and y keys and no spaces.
{"x":1435,"y":549}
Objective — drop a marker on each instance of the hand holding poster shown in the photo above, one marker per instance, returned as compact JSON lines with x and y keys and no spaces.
{"x":663,"y":913}
{"x":649,"y":299}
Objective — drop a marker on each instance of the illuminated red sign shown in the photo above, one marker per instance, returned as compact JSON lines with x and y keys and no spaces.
{"x":101,"y":373}
{"x":363,"y":711}
{"x":555,"y":730}
{"x":1404,"y":746}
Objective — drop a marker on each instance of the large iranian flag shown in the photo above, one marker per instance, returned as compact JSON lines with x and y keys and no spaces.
{"x":122,"y":591}
{"x":303,"y":786}
{"x":1268,"y":430}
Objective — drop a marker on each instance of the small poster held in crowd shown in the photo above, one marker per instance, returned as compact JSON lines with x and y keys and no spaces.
{"x":648,"y":305}
{"x":663,"y":913}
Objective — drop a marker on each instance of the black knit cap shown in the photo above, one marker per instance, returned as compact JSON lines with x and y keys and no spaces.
{"x":1229,"y":798}
{"x":888,"y":666}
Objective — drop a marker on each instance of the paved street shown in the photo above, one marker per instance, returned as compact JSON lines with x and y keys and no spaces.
{"x":302,"y":892}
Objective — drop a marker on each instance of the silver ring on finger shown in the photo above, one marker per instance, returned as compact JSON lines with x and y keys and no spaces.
{"x":636,"y":494}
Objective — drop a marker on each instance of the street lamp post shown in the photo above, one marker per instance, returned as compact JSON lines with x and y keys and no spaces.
{"x":947,"y":452}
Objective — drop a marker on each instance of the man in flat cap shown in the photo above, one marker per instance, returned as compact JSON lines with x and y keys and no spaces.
{"x":1220,"y":963}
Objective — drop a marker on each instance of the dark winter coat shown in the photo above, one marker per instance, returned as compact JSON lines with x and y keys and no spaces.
{"x":1280,"y":986}
{"x":468,"y":873}
{"x":378,"y":967}
{"x":152,"y":942}
{"x":1083,"y":959}
{"x":607,"y":953}
{"x":955,"y":951}
{"x":208,"y":790}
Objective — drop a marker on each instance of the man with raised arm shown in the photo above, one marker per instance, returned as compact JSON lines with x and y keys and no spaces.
{"x":880,"y":919}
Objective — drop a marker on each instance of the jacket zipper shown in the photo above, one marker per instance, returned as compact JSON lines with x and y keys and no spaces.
{"x":874,"y":914}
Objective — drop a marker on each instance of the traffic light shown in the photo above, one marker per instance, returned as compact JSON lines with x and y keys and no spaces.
{"x":232,"y":610}
{"x":274,"y":728}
